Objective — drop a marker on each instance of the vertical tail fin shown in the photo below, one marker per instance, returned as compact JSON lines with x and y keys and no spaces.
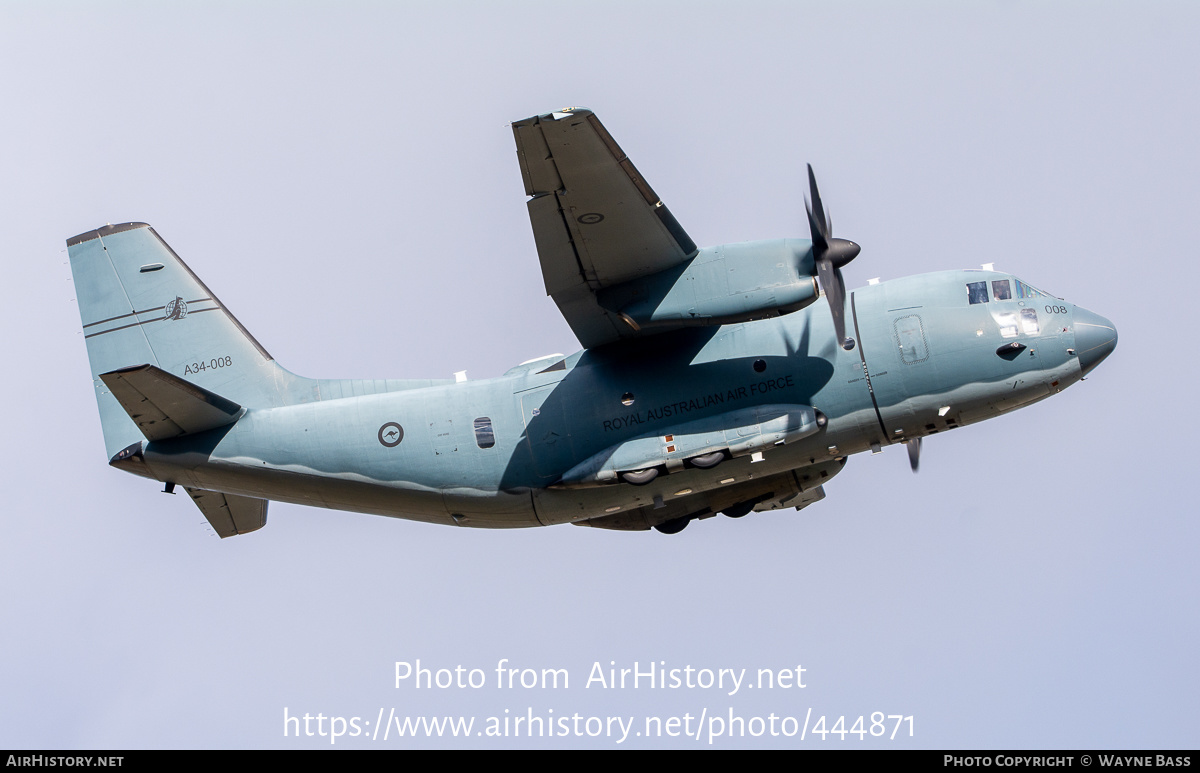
{"x":141,"y":305}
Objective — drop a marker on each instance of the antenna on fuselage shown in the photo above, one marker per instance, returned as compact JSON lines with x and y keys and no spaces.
{"x":914,"y":453}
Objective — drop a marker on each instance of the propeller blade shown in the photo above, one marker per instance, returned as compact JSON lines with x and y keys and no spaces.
{"x":816,"y":214}
{"x":817,"y":229}
{"x":914,"y":453}
{"x":835,"y":292}
{"x":829,"y":255}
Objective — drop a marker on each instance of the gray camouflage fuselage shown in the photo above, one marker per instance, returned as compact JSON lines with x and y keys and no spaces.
{"x":724,"y":379}
{"x":327,"y":453}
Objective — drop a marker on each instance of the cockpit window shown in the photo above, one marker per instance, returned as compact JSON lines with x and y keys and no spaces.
{"x":977,"y":292}
{"x":1001,"y":289}
{"x":1028,"y":291}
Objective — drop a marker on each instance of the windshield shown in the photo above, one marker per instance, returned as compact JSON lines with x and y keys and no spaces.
{"x":1002,"y":290}
{"x":1029,"y":291}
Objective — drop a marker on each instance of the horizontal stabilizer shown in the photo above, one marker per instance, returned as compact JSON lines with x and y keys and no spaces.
{"x":230,"y":515}
{"x":165,"y":406}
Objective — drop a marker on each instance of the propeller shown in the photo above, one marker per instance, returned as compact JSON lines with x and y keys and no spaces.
{"x":830,"y":255}
{"x":914,"y":453}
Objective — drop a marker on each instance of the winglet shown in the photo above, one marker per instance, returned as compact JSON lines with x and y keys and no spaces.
{"x":165,"y":406}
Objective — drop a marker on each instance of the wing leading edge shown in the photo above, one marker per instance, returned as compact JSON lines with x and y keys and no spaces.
{"x":596,"y":221}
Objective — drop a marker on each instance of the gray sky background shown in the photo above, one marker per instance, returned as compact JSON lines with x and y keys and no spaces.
{"x":342,"y":176}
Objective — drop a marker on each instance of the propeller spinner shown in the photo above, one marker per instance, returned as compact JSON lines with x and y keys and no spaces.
{"x":830,"y":255}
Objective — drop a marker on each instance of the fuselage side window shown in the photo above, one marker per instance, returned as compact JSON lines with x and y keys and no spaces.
{"x":1008,"y":324}
{"x":910,"y":336}
{"x":1029,"y":322}
{"x":1001,"y":290}
{"x":485,"y":437}
{"x":977,"y":292}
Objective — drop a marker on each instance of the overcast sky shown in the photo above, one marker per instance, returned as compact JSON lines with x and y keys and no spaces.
{"x":343,"y":177}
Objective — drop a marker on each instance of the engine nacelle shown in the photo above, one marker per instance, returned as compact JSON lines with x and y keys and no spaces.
{"x":721,"y":285}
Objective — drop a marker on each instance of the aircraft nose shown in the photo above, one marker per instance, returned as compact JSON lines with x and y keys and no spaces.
{"x":1095,"y":338}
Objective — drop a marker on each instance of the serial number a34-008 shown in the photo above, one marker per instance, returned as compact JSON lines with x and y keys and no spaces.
{"x":213,"y":364}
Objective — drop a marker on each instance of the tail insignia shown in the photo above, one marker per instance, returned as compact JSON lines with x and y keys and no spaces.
{"x":176,"y":309}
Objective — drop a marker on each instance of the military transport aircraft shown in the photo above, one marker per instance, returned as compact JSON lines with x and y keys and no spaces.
{"x":712,"y":380}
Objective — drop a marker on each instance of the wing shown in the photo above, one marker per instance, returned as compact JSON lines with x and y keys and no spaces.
{"x":596,"y":222}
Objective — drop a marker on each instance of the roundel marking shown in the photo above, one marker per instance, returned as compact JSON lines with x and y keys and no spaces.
{"x":391,"y":434}
{"x":590,"y":218}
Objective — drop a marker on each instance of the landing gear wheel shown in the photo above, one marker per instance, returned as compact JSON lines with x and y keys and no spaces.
{"x":673,"y":526}
{"x":737,"y":511}
{"x":640,"y":477}
{"x":708,"y":460}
